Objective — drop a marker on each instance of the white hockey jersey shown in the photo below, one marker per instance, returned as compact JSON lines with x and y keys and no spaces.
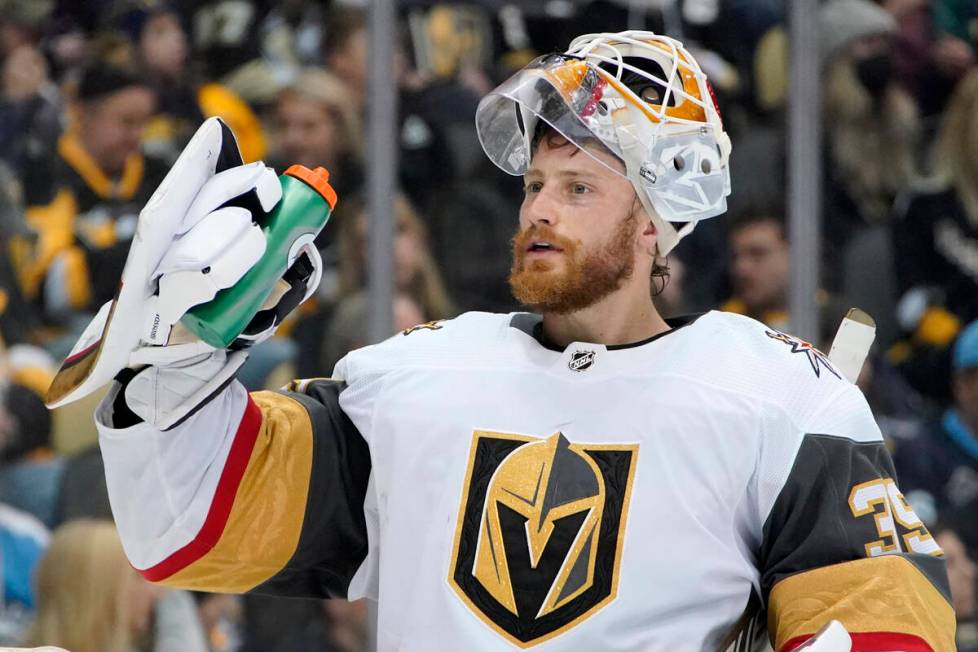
{"x":493,"y":493}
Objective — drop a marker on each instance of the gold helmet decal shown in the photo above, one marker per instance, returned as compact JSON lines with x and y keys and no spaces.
{"x":540,"y":529}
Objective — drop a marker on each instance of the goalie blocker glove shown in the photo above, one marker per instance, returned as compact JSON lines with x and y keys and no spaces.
{"x":196,"y":236}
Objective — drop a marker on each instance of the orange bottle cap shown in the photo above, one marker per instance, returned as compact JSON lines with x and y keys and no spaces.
{"x":317,"y":179}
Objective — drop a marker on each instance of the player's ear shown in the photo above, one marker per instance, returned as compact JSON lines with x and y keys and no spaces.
{"x":651,"y":237}
{"x":649,"y":232}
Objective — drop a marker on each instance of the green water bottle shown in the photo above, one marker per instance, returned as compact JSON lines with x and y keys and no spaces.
{"x":307,"y":201}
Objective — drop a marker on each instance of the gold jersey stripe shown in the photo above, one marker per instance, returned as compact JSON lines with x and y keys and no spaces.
{"x":879,"y":594}
{"x":263,"y":528}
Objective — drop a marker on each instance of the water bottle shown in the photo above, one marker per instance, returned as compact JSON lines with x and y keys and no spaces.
{"x":305,"y":207}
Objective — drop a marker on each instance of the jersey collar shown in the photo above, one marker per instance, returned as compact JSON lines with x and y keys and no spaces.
{"x":532,"y":325}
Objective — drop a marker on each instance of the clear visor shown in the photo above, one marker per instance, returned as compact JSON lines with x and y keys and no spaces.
{"x":566,"y":93}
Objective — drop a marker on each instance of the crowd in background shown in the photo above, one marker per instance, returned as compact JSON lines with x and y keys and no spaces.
{"x":98,"y":97}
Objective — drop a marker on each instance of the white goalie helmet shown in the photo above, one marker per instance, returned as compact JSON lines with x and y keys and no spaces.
{"x":644,"y":97}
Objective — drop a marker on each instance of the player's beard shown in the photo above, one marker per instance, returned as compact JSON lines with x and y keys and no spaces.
{"x":584,"y":279}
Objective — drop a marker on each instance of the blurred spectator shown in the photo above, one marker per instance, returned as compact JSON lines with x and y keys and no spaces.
{"x":177,"y":625}
{"x":275,"y":624}
{"x":22,"y":23}
{"x":8,"y":426}
{"x":31,"y":367}
{"x":937,"y":235}
{"x":19,"y":322}
{"x":89,"y":599}
{"x":760,"y":260}
{"x":416,"y":273}
{"x":450,"y":46}
{"x":83,"y":200}
{"x":317,"y":124}
{"x":30,"y":103}
{"x":162,"y":54}
{"x":899,"y":411}
{"x":962,"y":574}
{"x":83,"y":493}
{"x":223,"y":39}
{"x":468,"y":222}
{"x":30,"y":476}
{"x":467,"y":203}
{"x":345,"y":50}
{"x":285,"y":625}
{"x":292,"y":33}
{"x":348,"y":623}
{"x":942,"y":461}
{"x":956,"y":22}
{"x":871,"y":124}
{"x":760,"y":265}
{"x":936,"y":244}
{"x":346,"y":330}
{"x":912,"y":53}
{"x":20,"y":361}
{"x":427,"y":161}
{"x":871,"y":137}
{"x":758,"y":162}
{"x":220,"y":617}
{"x":22,"y":541}
{"x":732,"y":30}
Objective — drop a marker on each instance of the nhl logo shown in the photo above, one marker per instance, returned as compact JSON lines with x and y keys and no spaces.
{"x":581,"y":361}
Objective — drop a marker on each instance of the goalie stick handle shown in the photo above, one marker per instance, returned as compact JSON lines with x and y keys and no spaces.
{"x":852,"y":343}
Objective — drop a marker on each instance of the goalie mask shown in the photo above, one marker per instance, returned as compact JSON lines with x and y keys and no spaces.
{"x":645,"y":99}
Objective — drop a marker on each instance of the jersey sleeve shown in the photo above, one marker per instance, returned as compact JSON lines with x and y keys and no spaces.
{"x":839,"y":540}
{"x":258,"y":492}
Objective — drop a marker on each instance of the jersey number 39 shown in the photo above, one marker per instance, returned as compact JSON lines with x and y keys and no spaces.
{"x":883,"y":499}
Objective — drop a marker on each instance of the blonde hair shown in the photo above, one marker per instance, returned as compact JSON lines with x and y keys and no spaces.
{"x":873,"y":151}
{"x":957,"y":144}
{"x":427,"y":288}
{"x":332,"y":94}
{"x":82,"y":586}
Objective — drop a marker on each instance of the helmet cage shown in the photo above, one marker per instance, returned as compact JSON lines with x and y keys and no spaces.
{"x":671,"y":143}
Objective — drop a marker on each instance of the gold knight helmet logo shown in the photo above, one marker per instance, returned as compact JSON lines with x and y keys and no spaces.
{"x":539,"y":535}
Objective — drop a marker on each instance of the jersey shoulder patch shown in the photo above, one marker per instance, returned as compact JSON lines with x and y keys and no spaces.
{"x":818,"y":361}
{"x":433,"y":325}
{"x":783,"y":352}
{"x":788,"y":372}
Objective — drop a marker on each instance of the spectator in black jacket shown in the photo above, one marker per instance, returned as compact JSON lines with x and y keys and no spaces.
{"x":936,"y":244}
{"x":941,"y":463}
{"x":937,"y":237}
{"x":30,"y":473}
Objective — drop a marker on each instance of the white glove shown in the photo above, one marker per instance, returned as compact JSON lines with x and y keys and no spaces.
{"x":172,"y":237}
{"x":219,"y":244}
{"x":164,"y":396}
{"x":196,"y":236}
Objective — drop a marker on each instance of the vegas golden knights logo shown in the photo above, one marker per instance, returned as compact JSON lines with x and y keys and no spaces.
{"x":540,"y":530}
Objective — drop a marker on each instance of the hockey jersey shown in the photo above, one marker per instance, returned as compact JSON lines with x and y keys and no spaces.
{"x":494,"y":493}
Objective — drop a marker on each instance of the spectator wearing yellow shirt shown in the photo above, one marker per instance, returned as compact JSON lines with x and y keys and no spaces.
{"x":83,"y":199}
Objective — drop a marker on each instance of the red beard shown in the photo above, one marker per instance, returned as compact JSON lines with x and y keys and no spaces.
{"x":580,"y":279}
